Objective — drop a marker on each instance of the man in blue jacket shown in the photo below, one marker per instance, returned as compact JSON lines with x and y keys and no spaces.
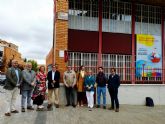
{"x":113,"y":85}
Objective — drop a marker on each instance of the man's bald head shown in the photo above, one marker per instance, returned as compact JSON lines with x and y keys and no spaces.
{"x":14,"y":63}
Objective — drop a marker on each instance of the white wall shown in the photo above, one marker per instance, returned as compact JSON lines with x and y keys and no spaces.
{"x":132,"y":94}
{"x":135,"y":94}
{"x":128,"y":94}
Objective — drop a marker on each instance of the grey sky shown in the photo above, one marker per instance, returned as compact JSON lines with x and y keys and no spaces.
{"x":28,"y":24}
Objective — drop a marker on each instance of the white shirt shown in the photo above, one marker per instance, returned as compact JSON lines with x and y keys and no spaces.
{"x":113,"y":75}
{"x":53,"y":74}
{"x":16,"y":71}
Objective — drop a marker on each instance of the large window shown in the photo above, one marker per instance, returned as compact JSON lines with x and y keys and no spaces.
{"x":83,"y":14}
{"x":89,"y":60}
{"x":122,"y":63}
{"x":148,"y":19}
{"x":117,"y":16}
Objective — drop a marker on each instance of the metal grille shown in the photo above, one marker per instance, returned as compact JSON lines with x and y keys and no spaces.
{"x":89,"y":60}
{"x":83,"y":14}
{"x":148,"y":19}
{"x":122,"y":63}
{"x":117,"y":16}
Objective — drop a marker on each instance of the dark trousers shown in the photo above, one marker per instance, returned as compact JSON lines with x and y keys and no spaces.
{"x":38,"y":100}
{"x":114,"y":96}
{"x":80,"y":97}
{"x":70,"y":95}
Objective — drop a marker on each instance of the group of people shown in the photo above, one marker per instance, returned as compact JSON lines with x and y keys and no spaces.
{"x":32,"y":86}
{"x":86,"y":82}
{"x":26,"y":82}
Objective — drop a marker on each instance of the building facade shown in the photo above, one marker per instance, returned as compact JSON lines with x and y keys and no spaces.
{"x":125,"y":34}
{"x":8,"y":52}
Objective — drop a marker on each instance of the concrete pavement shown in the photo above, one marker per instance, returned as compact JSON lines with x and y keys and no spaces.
{"x":81,"y":115}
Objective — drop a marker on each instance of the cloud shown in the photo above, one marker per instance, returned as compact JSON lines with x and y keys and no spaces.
{"x":28,"y":24}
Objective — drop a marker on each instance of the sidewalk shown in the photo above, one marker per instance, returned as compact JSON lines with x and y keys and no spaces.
{"x":81,"y":115}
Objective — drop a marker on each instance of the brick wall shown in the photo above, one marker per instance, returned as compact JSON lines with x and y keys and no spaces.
{"x":10,"y":54}
{"x":61,"y":38}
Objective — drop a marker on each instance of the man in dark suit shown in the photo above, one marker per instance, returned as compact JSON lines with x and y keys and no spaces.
{"x":53,"y":77}
{"x":12,"y":84}
{"x":113,"y":85}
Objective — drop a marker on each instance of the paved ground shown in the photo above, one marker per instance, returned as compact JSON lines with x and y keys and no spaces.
{"x":68,"y":115}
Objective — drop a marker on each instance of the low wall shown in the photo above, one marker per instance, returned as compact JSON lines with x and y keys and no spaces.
{"x":135,"y":94}
{"x":132,"y":94}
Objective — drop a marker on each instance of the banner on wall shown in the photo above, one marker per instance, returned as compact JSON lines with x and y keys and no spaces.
{"x":148,"y":55}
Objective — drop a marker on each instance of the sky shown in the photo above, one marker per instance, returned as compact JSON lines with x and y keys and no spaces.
{"x":29,"y":25}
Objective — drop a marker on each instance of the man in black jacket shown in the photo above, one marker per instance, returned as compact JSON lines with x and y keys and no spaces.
{"x":101,"y":81}
{"x":113,"y":85}
{"x":53,"y":77}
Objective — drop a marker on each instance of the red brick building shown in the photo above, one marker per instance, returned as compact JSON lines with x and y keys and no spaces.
{"x":104,"y":33}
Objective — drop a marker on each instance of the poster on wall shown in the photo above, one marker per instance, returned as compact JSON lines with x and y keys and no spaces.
{"x":148,"y":55}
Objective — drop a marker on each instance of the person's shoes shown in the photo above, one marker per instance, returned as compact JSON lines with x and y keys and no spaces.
{"x":82,"y":105}
{"x":40,"y":108}
{"x":7,"y":114}
{"x":111,"y":108}
{"x":57,"y":105}
{"x":104,"y":107}
{"x":67,"y":105}
{"x":74,"y":106}
{"x":30,"y":108}
{"x":15,"y":111}
{"x":23,"y":110}
{"x":49,"y":106}
{"x":98,"y":106}
{"x":117,"y":110}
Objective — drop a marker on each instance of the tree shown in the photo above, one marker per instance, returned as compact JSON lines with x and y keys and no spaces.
{"x":34,"y":65}
{"x":25,"y":60}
